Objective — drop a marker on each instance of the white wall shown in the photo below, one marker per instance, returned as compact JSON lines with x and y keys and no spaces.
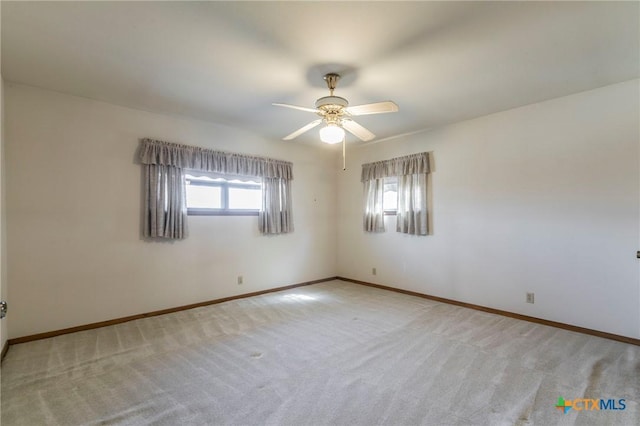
{"x":542,"y":198}
{"x":73,"y":194}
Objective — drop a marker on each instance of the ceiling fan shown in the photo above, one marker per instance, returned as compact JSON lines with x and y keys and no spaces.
{"x":335,"y":113}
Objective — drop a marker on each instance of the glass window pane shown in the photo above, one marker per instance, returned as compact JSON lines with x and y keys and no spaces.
{"x":204,"y":197}
{"x":245,"y":198}
{"x":390,"y":196}
{"x":390,"y":200}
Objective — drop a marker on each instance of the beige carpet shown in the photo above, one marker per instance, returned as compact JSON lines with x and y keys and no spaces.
{"x":334,"y":353}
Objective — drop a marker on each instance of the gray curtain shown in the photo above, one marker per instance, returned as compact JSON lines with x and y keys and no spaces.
{"x":373,"y":209}
{"x":400,"y":166}
{"x":165,"y":192}
{"x":208,"y":160}
{"x":275,"y":215}
{"x":165,"y":207}
{"x":411,"y":171}
{"x":411,"y":216}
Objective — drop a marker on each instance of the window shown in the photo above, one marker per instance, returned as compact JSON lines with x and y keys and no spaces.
{"x":215,"y":195}
{"x":399,"y":187}
{"x":390,"y":195}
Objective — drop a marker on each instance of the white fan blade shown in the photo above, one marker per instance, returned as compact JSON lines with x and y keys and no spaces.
{"x":376,"y":108}
{"x":302,"y":130}
{"x":296,"y":107}
{"x":357,"y":130}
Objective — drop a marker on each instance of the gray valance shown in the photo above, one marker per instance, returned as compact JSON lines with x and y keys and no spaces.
{"x":400,"y":166}
{"x":203,"y":159}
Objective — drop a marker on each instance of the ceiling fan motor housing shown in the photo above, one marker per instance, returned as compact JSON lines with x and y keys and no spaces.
{"x":331,"y":108}
{"x":332,"y":102}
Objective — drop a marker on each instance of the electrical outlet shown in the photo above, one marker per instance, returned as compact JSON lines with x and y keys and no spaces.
{"x":530,"y":298}
{"x":374,"y":271}
{"x":240,"y":279}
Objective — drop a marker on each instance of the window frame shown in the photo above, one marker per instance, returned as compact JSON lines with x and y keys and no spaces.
{"x":224,"y":185}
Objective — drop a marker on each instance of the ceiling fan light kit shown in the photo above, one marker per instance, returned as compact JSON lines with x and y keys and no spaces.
{"x":332,"y":134}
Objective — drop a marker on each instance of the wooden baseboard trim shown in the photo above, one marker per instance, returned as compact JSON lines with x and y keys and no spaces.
{"x":84,"y":327}
{"x":564,"y":326}
{"x":561,"y":325}
{"x":5,"y":349}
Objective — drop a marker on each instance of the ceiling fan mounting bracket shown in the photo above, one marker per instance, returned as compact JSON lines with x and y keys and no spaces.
{"x":332,"y":81}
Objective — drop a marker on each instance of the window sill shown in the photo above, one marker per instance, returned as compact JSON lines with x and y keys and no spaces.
{"x":390,"y":212}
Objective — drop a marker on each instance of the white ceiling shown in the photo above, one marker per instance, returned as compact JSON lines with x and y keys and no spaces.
{"x":226,"y":62}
